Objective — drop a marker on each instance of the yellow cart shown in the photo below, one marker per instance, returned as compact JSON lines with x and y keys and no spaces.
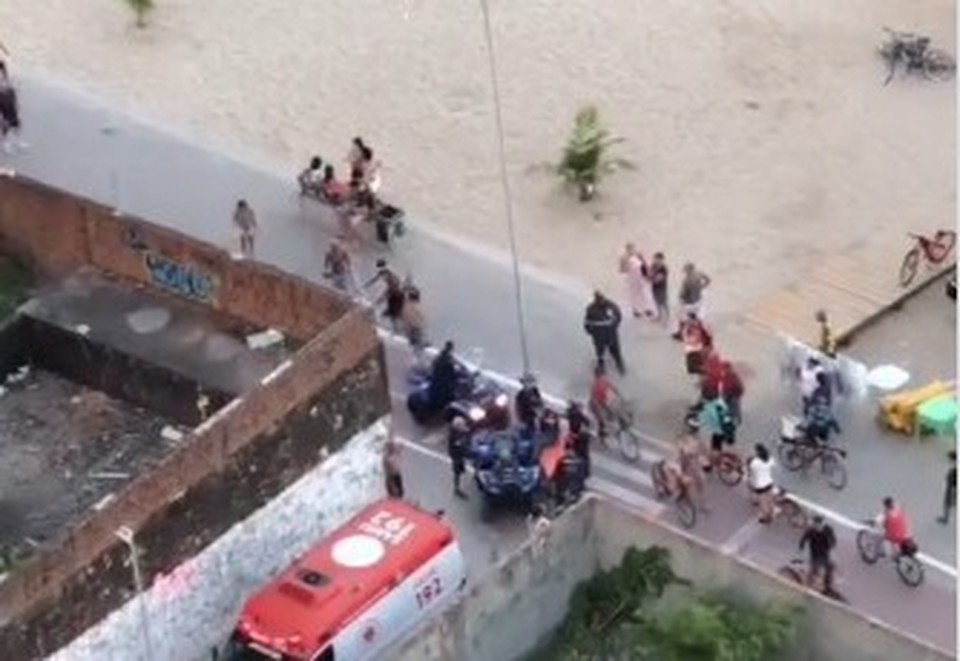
{"x":899,"y":412}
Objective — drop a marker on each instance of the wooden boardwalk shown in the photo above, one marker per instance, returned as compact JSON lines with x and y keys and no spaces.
{"x":854,"y":289}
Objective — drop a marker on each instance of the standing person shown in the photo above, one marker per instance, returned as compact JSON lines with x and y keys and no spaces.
{"x":697,"y":343}
{"x":760,"y":478}
{"x":391,"y":469}
{"x":338,"y":266}
{"x":691,"y":296}
{"x":246,"y":222}
{"x":9,"y":113}
{"x":394,"y":296}
{"x":579,"y":427}
{"x":635,"y":273}
{"x":602,"y":324}
{"x":819,"y":420}
{"x":828,"y":344}
{"x":821,"y":540}
{"x":950,"y":489}
{"x":412,"y":317}
{"x":443,"y":378}
{"x":458,"y":438}
{"x":809,"y":380}
{"x":731,"y":389}
{"x":658,"y":284}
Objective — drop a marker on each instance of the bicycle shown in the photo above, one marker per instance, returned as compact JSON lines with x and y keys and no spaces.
{"x":682,"y":501}
{"x":785,"y":507}
{"x":798,"y":452}
{"x":797,"y":572}
{"x":914,"y":52}
{"x":620,"y":434}
{"x":934,"y":250}
{"x":871,"y":544}
{"x":728,"y":464}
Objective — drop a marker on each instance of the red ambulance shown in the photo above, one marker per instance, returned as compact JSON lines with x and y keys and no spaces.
{"x":360,"y":590}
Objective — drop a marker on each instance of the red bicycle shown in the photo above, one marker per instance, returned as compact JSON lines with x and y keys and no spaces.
{"x":933,"y":250}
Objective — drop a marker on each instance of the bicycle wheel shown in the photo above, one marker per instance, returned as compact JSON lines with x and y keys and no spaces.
{"x":942,"y":244}
{"x":659,"y":480}
{"x":908,"y":269}
{"x":937,"y":65}
{"x":868,"y":544}
{"x":834,"y":469}
{"x":630,"y":444}
{"x":790,"y":456}
{"x":686,"y":512}
{"x":791,"y":573}
{"x":730,"y":470}
{"x":910,"y":570}
{"x":794,"y":514}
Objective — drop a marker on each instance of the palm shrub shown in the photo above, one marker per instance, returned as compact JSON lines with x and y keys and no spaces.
{"x":140,"y":8}
{"x":586,"y":157}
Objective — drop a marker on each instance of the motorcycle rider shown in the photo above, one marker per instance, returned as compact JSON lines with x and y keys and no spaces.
{"x":528,"y":403}
{"x":457,"y":439}
{"x":443,"y":378}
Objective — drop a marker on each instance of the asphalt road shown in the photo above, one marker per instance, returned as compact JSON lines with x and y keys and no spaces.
{"x":79,"y":144}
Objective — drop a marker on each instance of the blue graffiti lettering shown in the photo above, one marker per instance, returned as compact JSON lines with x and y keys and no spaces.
{"x":182,"y":279}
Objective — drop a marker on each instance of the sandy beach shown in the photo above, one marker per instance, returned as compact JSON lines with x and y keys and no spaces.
{"x":763,"y":136}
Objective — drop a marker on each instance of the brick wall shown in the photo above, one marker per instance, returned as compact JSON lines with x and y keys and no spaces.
{"x":58,"y":233}
{"x":232,"y":464}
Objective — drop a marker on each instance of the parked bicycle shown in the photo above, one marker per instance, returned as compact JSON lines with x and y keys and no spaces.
{"x":677,"y":488}
{"x":796,"y":570}
{"x":913,"y":52}
{"x":798,"y":452}
{"x":934,"y":250}
{"x":621,"y":435}
{"x":873,"y":546}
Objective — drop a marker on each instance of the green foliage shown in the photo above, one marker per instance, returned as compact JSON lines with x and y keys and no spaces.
{"x":15,"y":282}
{"x":141,"y":8}
{"x":585,"y":158}
{"x":611,"y":618}
{"x":711,"y":628}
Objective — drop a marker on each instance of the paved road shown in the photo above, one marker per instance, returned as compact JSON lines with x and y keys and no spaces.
{"x":79,"y":145}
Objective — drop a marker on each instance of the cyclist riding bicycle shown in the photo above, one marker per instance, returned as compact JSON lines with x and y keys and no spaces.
{"x":819,"y":421}
{"x":717,"y":422}
{"x":896,"y":527}
{"x":603,"y":399}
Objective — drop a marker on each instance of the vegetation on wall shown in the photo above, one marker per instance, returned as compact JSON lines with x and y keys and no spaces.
{"x":616,"y":615}
{"x":15,"y":283}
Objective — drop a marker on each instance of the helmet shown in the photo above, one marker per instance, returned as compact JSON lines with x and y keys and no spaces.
{"x":459,"y":424}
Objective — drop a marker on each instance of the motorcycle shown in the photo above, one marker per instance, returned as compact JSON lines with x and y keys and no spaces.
{"x":507,"y":470}
{"x":477,"y":399}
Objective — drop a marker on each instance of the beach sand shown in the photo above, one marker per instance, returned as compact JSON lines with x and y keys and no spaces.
{"x":763,"y":137}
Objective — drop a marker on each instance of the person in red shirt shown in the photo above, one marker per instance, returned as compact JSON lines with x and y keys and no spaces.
{"x":731,"y":389}
{"x":896,"y":528}
{"x":603,"y":394}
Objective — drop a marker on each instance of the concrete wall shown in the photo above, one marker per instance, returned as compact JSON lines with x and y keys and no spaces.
{"x":194,"y":607}
{"x":57,"y":233}
{"x":230,"y":466}
{"x":509,"y":612}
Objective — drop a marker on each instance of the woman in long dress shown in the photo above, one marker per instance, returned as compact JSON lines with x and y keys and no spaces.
{"x":637,"y":277}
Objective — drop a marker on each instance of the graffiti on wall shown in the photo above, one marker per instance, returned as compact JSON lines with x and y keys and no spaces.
{"x":184,"y":279}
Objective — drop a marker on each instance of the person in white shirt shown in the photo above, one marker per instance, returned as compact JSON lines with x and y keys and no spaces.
{"x":808,"y":380}
{"x":760,"y":479}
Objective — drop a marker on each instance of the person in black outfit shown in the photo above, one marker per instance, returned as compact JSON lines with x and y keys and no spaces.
{"x":443,"y":379}
{"x":457,"y":439}
{"x":821,"y":540}
{"x":528,"y":403}
{"x":950,"y":489}
{"x":602,"y":324}
{"x":580,"y":434}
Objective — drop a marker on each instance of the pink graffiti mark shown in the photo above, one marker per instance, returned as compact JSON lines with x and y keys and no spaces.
{"x":176,"y":583}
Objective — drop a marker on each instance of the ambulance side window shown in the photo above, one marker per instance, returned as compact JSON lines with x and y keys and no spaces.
{"x":325,"y":655}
